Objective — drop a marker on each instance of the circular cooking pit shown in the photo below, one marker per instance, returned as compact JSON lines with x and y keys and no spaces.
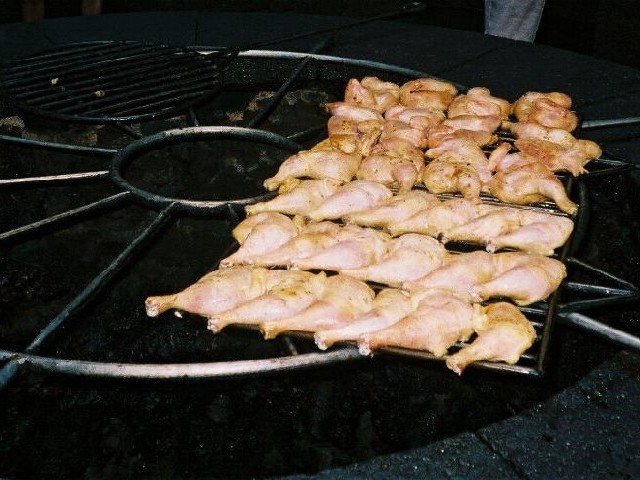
{"x":91,"y":272}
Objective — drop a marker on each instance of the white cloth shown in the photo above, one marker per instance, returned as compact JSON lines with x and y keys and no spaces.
{"x":515,"y":19}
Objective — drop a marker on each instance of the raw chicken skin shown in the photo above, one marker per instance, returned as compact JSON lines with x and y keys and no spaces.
{"x":459,"y":165}
{"x":296,"y":197}
{"x":410,"y":256}
{"x":390,"y":171}
{"x":352,"y":197}
{"x":460,"y":273}
{"x":479,"y":101}
{"x":344,"y":299}
{"x":439,"y":218}
{"x":478,"y":276}
{"x":504,"y":334}
{"x":440,"y":320}
{"x":294,"y":293}
{"x":371,"y":92}
{"x":389,"y":306}
{"x":259,"y":234}
{"x":428,"y":93}
{"x":355,"y":247}
{"x":312,"y":239}
{"x":215,"y":292}
{"x":394,"y":209}
{"x":548,"y":109}
{"x":539,"y":233}
{"x":322,"y":161}
{"x":529,"y":182}
{"x":523,"y":279}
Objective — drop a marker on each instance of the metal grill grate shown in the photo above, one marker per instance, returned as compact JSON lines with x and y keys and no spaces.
{"x":105,"y":56}
{"x":101,"y":82}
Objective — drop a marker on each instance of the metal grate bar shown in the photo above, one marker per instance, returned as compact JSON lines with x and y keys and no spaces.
{"x":180,"y":370}
{"x":150,"y":103}
{"x":99,"y":282}
{"x":92,"y":67}
{"x":102,"y":174}
{"x":68,"y":54}
{"x":109,"y":202}
{"x":58,"y":147}
{"x":273,"y":101}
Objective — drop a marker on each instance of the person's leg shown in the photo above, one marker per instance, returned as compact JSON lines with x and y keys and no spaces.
{"x":515,"y":19}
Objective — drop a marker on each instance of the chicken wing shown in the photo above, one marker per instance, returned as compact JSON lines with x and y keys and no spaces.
{"x":479,"y":101}
{"x":504,"y":334}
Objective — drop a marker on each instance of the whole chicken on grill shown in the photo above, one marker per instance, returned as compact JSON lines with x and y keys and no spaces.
{"x":548,"y":109}
{"x":394,"y":209}
{"x":344,"y":298}
{"x":409,"y":257}
{"x":322,"y":161}
{"x":296,"y":197}
{"x":389,"y":306}
{"x":371,"y":92}
{"x":428,"y":93}
{"x":294,"y":293}
{"x":259,"y":234}
{"x":504,"y":334}
{"x":440,"y":320}
{"x":352,"y":197}
{"x":217,"y":291}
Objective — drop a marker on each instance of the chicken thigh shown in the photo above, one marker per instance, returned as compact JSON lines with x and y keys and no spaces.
{"x":504,"y":334}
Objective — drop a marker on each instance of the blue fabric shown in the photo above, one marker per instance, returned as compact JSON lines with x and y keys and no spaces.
{"x":515,"y":19}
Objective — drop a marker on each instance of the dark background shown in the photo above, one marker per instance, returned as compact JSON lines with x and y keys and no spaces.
{"x":607,"y":29}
